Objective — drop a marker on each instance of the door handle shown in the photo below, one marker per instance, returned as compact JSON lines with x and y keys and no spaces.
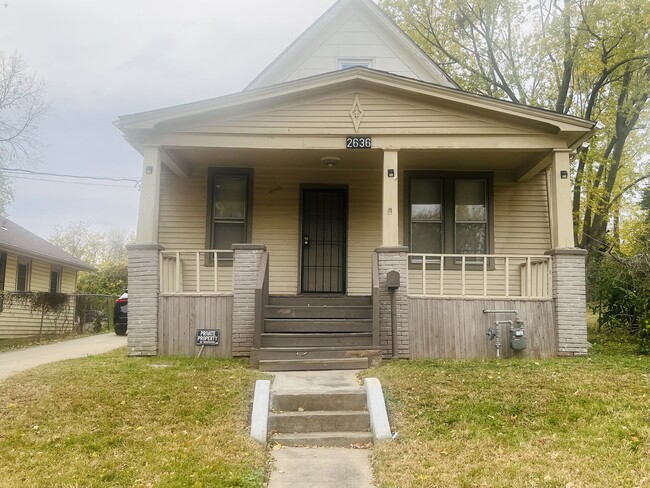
{"x":305,"y":240}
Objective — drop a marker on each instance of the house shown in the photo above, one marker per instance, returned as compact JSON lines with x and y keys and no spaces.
{"x":353,"y":200}
{"x":31,"y":264}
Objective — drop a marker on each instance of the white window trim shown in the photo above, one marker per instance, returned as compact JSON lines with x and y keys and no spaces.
{"x":59,"y":271}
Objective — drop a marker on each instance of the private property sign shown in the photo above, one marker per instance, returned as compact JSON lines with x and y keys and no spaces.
{"x":207,"y":337}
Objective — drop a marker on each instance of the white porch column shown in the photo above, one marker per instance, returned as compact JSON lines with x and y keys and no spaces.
{"x":147,"y":232}
{"x":560,"y":200}
{"x":390,"y":203}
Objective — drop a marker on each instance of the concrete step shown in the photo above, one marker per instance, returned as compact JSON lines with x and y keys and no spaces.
{"x":317,"y":325}
{"x":319,"y":421}
{"x":315,"y":299}
{"x":294,"y":402}
{"x":324,"y":439}
{"x":312,"y":364}
{"x":317,"y":312}
{"x":316,"y":339}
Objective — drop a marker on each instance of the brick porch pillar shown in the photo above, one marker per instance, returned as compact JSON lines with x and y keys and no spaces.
{"x":393,"y":258}
{"x":569,"y":294}
{"x":144,"y":286}
{"x":246,"y":270}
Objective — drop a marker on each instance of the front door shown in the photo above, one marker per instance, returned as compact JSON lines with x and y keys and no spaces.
{"x":324,"y":225}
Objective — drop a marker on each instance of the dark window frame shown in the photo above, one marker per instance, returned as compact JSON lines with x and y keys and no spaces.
{"x":27,"y":263}
{"x":58,"y":270}
{"x":3,"y":275}
{"x":213,"y":173}
{"x":448,"y":180}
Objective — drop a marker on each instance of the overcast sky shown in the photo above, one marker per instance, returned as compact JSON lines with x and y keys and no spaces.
{"x":104,"y":58}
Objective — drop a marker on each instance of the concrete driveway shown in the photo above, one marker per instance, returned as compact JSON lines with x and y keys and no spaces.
{"x":21,"y":359}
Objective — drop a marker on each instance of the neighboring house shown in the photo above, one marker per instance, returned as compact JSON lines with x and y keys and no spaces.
{"x":31,"y":264}
{"x":277,"y":213}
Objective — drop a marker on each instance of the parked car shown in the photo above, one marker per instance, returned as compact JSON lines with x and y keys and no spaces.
{"x":120,"y":313}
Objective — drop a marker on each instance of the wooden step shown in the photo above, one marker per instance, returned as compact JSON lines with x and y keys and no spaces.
{"x":317,"y":312}
{"x":318,"y":300}
{"x":324,"y":439}
{"x":318,"y":325}
{"x":312,"y":364}
{"x":316,"y":339}
{"x":332,"y":352}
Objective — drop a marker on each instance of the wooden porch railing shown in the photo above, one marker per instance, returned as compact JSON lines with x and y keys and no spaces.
{"x":480,"y":275}
{"x":261,"y":300}
{"x":206,"y":271}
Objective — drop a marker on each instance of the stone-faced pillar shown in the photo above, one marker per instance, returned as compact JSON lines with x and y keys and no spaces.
{"x":144,"y":286}
{"x":246,"y":270}
{"x":393,"y":258}
{"x":569,"y":294}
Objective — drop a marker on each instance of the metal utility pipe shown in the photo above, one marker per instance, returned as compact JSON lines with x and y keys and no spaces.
{"x":393,"y":322}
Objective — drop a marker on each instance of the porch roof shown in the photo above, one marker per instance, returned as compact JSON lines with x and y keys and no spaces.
{"x":139,"y":127}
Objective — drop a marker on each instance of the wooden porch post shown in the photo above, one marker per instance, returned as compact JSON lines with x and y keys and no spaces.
{"x":147,"y":232}
{"x":390,"y":202}
{"x":560,"y":200}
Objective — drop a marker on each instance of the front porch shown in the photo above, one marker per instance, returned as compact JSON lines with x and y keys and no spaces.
{"x":437,"y":311}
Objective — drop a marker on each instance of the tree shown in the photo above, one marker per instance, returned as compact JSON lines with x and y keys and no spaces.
{"x":94,"y":248}
{"x":589,"y":58}
{"x":22,"y":104}
{"x":105,"y":250}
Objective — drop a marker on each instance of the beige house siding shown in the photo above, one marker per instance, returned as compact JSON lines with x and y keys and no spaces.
{"x":354,"y":39}
{"x":276,"y":219}
{"x":16,"y":320}
{"x":382,"y":114}
{"x":521,"y":224}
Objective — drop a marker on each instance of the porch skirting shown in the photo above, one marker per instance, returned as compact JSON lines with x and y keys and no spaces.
{"x":456,"y":327}
{"x":181,"y":315}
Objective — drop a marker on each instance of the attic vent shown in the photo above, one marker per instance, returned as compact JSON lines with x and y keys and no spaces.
{"x":345,"y":63}
{"x":356,"y":112}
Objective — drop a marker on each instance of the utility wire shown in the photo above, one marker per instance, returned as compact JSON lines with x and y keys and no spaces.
{"x":25,"y":174}
{"x":74,"y":182}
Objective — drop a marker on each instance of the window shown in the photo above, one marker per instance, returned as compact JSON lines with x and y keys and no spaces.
{"x":448,"y":213}
{"x":23,"y":272}
{"x":55,"y":279}
{"x":345,"y":63}
{"x":230,"y":207}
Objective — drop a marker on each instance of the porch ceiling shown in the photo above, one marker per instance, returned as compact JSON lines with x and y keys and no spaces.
{"x":445,"y":159}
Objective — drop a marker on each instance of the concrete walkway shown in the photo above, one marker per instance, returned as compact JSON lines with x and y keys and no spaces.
{"x":319,"y":467}
{"x":21,"y":359}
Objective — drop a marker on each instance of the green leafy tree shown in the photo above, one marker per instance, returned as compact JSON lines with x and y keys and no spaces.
{"x":589,"y":58}
{"x":105,"y":250}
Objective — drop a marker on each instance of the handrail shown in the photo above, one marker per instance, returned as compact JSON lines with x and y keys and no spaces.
{"x":375,"y":301}
{"x":479,"y":273}
{"x":261,"y":299}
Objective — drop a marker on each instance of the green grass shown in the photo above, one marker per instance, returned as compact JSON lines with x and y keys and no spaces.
{"x":115,"y":421}
{"x":580,"y":422}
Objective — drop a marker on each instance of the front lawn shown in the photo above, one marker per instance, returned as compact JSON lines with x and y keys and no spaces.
{"x":582,"y":422}
{"x":134,"y":422}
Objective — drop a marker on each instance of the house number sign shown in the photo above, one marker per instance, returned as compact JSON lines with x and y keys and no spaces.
{"x":207,"y":337}
{"x":356,"y":142}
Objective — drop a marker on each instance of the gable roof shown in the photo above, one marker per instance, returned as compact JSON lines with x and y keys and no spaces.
{"x":19,"y":240}
{"x":137,"y":127}
{"x":375,"y":21}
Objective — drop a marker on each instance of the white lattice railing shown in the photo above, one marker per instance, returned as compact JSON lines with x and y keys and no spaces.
{"x":206,"y":271}
{"x":480,"y":275}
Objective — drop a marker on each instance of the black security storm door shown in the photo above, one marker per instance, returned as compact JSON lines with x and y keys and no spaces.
{"x":324,"y":225}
